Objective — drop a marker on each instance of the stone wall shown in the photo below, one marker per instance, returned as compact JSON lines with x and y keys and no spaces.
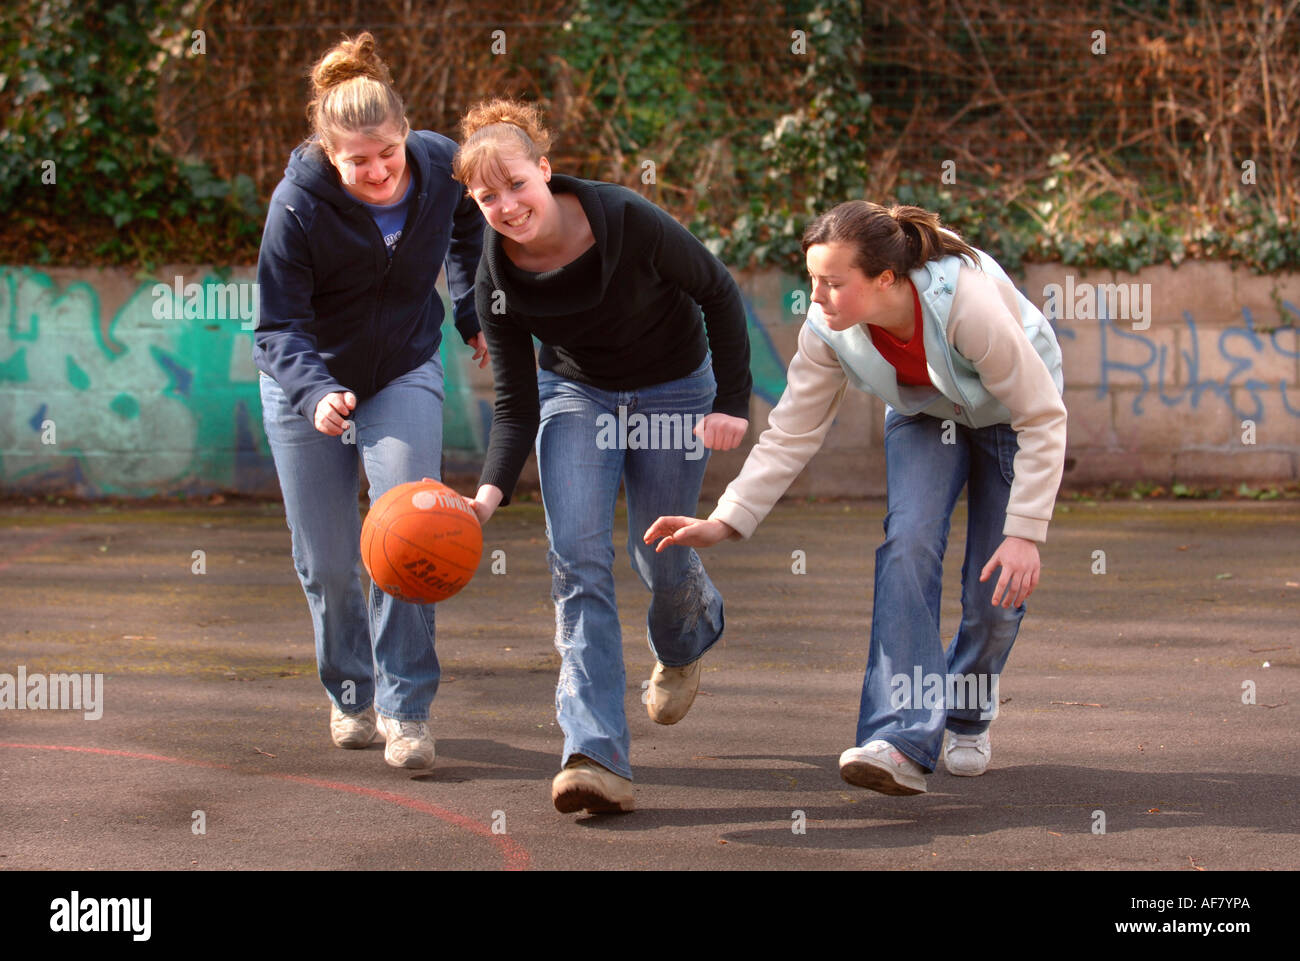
{"x":118,"y":384}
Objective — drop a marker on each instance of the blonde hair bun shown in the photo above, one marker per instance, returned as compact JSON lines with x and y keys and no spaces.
{"x":352,"y":92}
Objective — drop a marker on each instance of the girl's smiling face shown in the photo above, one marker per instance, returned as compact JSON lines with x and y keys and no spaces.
{"x":514,"y":196}
{"x":371,"y":166}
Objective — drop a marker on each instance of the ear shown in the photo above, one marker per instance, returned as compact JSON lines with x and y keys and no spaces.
{"x":886,"y":279}
{"x":544,"y":166}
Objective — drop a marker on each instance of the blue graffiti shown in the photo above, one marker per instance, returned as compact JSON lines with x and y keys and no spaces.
{"x":1239,"y":346}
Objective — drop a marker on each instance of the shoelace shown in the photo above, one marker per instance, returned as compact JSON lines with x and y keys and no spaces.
{"x":415,"y":730}
{"x":967,"y":741}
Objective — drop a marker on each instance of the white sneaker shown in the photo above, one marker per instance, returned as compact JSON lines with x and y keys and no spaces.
{"x":882,"y":767}
{"x":351,"y":730}
{"x":967,"y":755}
{"x":409,"y":742}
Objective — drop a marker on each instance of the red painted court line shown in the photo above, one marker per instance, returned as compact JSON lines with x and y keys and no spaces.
{"x":36,"y":545}
{"x":514,"y":854}
{"x":516,"y":857}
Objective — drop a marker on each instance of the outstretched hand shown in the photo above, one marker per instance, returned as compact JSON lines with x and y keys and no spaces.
{"x":686,"y":532}
{"x":1018,"y":559}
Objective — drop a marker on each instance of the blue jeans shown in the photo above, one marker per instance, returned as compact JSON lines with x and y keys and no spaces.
{"x":386,"y":657}
{"x":924,"y":478}
{"x":587,"y":443}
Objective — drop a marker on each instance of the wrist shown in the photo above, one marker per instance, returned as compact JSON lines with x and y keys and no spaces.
{"x":490,"y":496}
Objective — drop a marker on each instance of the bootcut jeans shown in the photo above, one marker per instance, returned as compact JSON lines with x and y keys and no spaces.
{"x":383,"y":656}
{"x":924,"y":476}
{"x":589,"y":441}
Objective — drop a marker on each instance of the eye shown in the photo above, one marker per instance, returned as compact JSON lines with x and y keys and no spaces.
{"x":516,"y":185}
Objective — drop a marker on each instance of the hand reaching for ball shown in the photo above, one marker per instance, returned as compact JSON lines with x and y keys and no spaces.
{"x":687,"y":532}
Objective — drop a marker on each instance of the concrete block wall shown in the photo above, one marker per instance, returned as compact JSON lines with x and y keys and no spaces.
{"x":113,"y":383}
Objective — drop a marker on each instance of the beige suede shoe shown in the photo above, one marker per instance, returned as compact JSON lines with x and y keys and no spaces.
{"x":584,"y":785}
{"x":672,"y":692}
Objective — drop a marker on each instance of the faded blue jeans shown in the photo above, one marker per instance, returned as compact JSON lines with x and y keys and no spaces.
{"x":590,"y":440}
{"x":386,"y":656}
{"x":925,"y":476}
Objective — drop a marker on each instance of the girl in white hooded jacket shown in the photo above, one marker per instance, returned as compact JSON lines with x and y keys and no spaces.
{"x":971,"y":373}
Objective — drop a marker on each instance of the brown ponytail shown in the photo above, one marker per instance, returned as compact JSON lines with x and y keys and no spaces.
{"x":494,"y":126}
{"x":896,"y":238}
{"x":352,"y":92}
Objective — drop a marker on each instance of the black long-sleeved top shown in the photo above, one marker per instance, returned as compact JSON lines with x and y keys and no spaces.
{"x":623,"y":315}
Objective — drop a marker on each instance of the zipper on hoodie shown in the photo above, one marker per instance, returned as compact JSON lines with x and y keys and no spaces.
{"x":412,"y":217}
{"x":957,"y":409}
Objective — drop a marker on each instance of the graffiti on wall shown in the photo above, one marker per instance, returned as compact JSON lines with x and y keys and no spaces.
{"x":163,"y":397}
{"x":148,"y":401}
{"x":122,"y":404}
{"x":1128,"y":358}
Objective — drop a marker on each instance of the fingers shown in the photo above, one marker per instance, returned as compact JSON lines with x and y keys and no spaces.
{"x":1001,"y":586}
{"x":1027,"y":586}
{"x":482,"y":511}
{"x":673,"y":531}
{"x":721,"y":431}
{"x":1014,"y":585}
{"x":989,"y":568}
{"x":332,"y":412}
{"x":665,"y":527}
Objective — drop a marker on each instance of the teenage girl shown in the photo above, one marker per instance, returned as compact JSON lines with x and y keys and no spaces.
{"x":347,"y":343}
{"x":971,"y":373}
{"x":633,"y":385}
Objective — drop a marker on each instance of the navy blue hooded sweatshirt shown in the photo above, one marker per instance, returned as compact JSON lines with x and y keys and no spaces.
{"x":335,"y":313}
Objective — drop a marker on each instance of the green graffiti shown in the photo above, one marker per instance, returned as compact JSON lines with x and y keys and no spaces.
{"x":124,"y":405}
{"x":462,"y":429}
{"x":76,"y":376}
{"x":162,"y":396}
{"x":15,"y":368}
{"x":137,"y":406}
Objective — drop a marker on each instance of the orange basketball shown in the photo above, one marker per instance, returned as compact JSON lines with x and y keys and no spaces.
{"x":421,"y":542}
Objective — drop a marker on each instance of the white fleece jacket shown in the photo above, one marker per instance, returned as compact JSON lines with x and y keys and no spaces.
{"x":983,"y":327}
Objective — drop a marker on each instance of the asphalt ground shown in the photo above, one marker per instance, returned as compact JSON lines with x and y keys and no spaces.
{"x":1125,"y":695}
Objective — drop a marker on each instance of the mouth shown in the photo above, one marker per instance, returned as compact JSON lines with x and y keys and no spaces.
{"x":379,"y":183}
{"x":519,"y":222}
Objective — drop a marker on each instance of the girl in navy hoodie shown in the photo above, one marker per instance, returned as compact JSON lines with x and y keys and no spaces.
{"x":347,"y":342}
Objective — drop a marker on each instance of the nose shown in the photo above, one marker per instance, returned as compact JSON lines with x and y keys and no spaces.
{"x":818,"y":293}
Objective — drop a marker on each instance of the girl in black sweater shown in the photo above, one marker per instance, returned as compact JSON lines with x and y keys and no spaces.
{"x":612,"y":288}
